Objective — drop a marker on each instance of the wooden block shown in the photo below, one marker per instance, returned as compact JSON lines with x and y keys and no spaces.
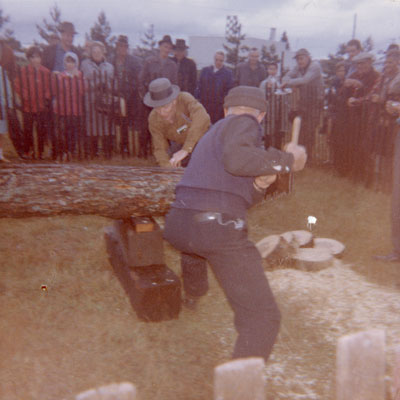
{"x":240,"y":379}
{"x":154,"y":290}
{"x":143,"y":224}
{"x":115,"y":391}
{"x":142,"y":247}
{"x":360,"y":366}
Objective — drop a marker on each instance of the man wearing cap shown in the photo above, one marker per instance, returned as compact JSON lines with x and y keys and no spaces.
{"x":126,"y":71}
{"x":176,"y":123}
{"x":156,"y":66}
{"x":306,"y":79}
{"x":229,"y":171}
{"x":187,"y":71}
{"x":251,"y":72}
{"x":53,"y":55}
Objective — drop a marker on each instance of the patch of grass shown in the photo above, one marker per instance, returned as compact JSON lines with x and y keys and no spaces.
{"x":82,"y":332}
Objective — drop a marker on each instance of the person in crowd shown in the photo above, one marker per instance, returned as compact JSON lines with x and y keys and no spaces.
{"x":393,"y":108}
{"x":207,"y":221}
{"x":214,"y":84}
{"x":357,"y":90}
{"x":69,"y":90}
{"x":273,"y":132}
{"x":251,"y":72}
{"x":155,"y":66}
{"x":99,"y":99}
{"x":187,"y":71}
{"x":176,"y":123}
{"x":127,"y":69}
{"x":382,"y":125}
{"x":7,"y":58}
{"x":5,"y":102}
{"x":271,"y":82}
{"x":53,"y":55}
{"x":353,"y":48}
{"x":306,"y":79}
{"x":32,"y":85}
{"x":337,"y":117}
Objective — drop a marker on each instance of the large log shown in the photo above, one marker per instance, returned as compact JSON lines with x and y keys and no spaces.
{"x":110,"y":191}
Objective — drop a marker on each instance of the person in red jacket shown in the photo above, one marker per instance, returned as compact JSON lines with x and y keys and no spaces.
{"x":69,"y":89}
{"x":32,"y":84}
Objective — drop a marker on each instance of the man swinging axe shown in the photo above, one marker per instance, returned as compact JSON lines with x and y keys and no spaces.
{"x":228,"y":173}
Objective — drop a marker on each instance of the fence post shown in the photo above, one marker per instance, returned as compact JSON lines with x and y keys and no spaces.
{"x":115,"y":391}
{"x":240,"y":379}
{"x":396,"y":375}
{"x":360,"y":366}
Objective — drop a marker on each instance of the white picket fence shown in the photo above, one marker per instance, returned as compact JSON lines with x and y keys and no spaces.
{"x":360,"y":374}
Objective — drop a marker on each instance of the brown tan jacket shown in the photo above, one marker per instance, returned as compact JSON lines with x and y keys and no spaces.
{"x":191,"y":123}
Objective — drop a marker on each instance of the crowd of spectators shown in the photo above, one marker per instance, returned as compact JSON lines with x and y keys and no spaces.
{"x":74,"y":100}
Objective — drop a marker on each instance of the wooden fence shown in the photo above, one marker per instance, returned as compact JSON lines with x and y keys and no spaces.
{"x":360,"y":374}
{"x":64,"y":118}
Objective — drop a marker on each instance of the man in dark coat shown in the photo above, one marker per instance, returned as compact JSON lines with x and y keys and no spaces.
{"x":187,"y":71}
{"x":53,"y":55}
{"x":251,"y":72}
{"x":207,"y":221}
{"x":214,"y":84}
{"x":127,"y":70}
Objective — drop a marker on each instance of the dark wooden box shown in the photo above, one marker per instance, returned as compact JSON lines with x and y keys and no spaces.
{"x":154,"y":290}
{"x":142,"y":238}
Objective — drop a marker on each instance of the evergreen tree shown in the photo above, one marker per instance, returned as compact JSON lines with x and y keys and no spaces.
{"x":101,"y":32}
{"x":285,"y":39}
{"x":234,"y":36}
{"x":269,"y":55}
{"x":8,"y":33}
{"x":148,"y":43}
{"x":50,"y":28}
{"x":368,"y":44}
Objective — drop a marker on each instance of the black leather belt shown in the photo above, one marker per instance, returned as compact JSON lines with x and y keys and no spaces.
{"x":220,"y":218}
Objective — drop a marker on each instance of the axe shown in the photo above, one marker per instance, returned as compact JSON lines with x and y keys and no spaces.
{"x":284,"y":182}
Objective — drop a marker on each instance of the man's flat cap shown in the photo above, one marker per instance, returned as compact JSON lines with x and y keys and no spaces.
{"x":246,"y":96}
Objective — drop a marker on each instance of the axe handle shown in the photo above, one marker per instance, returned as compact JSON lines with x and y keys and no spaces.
{"x":296,"y":130}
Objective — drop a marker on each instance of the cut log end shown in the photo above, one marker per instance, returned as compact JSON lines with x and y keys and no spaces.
{"x":311,"y":259}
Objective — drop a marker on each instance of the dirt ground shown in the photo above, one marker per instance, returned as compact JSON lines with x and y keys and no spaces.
{"x":82,"y":332}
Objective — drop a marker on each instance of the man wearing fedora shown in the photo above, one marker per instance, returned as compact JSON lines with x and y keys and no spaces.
{"x":126,"y":71}
{"x":155,"y":66}
{"x":187,"y":71}
{"x":229,"y":172}
{"x":176,"y":123}
{"x":305,"y":78}
{"x":53,"y":55}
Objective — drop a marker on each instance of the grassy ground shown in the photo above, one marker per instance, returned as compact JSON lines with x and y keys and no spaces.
{"x":82,"y":331}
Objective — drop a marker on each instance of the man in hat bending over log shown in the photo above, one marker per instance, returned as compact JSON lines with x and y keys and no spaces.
{"x":176,"y":122}
{"x":229,"y":171}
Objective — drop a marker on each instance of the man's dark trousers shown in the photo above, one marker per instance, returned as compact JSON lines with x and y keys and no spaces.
{"x":238,"y":268}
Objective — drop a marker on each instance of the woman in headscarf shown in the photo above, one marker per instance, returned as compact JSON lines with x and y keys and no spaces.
{"x":99,"y":74}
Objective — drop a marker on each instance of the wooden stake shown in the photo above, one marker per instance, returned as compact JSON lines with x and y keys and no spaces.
{"x":240,"y":379}
{"x":396,"y":375}
{"x":115,"y":391}
{"x":360,"y":366}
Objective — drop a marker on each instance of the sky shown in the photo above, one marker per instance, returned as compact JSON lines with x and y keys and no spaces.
{"x":318,"y":25}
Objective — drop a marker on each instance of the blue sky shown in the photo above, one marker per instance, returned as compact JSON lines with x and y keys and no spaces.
{"x":319,"y":25}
